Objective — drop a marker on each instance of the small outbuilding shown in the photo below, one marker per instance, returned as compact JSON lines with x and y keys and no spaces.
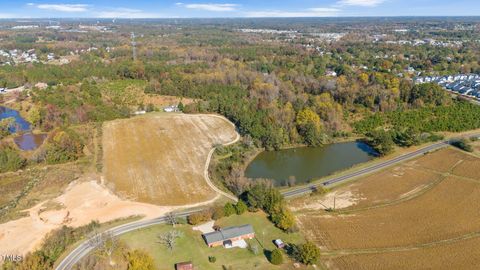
{"x":184,"y":266}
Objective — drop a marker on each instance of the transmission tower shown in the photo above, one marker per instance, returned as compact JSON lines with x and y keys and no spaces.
{"x":134,"y":47}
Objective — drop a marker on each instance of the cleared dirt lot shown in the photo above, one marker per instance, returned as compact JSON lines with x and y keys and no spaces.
{"x":161,"y":158}
{"x":80,"y":203}
{"x":406,"y":217}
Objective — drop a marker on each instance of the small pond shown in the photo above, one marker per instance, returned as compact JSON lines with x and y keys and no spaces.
{"x":308,"y":163}
{"x":25,"y":140}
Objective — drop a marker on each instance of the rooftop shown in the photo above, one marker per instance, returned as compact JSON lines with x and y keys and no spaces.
{"x":228,"y":233}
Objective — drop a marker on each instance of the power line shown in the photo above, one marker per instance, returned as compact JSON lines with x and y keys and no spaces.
{"x":134,"y":47}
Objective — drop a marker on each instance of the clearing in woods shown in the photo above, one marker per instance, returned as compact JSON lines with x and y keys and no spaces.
{"x":406,"y":217}
{"x":160,"y":158}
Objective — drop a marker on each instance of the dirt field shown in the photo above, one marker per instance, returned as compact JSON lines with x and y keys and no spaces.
{"x":405,"y":217}
{"x":82,"y":202}
{"x":395,"y":184}
{"x":161,"y":158}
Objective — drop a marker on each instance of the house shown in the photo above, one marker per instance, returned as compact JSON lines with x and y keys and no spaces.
{"x":229,"y":235}
{"x":184,"y":266}
{"x":41,"y":85}
{"x":331,"y":73}
{"x":169,"y":109}
{"x":140,"y":112}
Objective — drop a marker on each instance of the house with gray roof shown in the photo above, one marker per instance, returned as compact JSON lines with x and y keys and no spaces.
{"x":227,"y":236}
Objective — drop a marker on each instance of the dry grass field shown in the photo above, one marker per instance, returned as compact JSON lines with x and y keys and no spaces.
{"x":161,"y":158}
{"x":405,"y":217}
{"x":463,"y":255}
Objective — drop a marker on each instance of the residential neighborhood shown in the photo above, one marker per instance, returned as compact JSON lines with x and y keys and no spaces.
{"x":463,"y":84}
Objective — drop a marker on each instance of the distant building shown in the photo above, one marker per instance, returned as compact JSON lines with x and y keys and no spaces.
{"x":184,"y":266}
{"x":228,"y":235}
{"x":41,"y":85}
{"x":139,"y":112}
{"x":173,"y":108}
{"x":331,"y":73}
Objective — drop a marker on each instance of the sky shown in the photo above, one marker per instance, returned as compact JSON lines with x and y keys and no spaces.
{"x":234,"y":8}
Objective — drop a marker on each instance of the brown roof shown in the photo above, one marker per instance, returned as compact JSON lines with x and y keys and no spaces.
{"x":184,"y":266}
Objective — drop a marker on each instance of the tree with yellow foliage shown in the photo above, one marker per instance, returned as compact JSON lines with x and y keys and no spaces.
{"x":310,"y":127}
{"x":140,"y":260}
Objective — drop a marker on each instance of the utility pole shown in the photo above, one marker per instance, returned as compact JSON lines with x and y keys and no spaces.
{"x":134,"y":47}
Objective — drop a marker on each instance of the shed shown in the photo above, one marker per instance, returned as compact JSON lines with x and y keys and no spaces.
{"x":184,"y":266}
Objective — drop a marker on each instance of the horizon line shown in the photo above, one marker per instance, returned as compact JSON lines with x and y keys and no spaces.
{"x":243,"y":17}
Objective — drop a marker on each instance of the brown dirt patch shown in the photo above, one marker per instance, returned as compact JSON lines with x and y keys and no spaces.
{"x":160,"y":158}
{"x":394,"y":183}
{"x":81,"y":203}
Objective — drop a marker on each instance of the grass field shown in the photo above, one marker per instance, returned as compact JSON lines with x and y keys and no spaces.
{"x":405,"y":217}
{"x":191,"y":246}
{"x":160,"y":158}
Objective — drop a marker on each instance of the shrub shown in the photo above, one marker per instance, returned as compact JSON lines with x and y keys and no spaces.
{"x":5,"y":126}
{"x":240,"y":207}
{"x":265,"y":196}
{"x":10,"y":159}
{"x":199,"y":217}
{"x":283,"y":219}
{"x":64,"y":146}
{"x":212,"y":259}
{"x":381,"y":141}
{"x":140,"y":260}
{"x":229,"y":209}
{"x":276,"y":257}
{"x":218,"y":213}
{"x":463,"y":144}
{"x":308,"y":253}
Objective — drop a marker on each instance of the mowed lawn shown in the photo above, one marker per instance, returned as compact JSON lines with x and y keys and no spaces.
{"x":160,"y":158}
{"x":191,"y":246}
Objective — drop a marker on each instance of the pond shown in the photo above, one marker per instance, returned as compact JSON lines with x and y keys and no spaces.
{"x":20,"y":123}
{"x":26,"y":140}
{"x":301,"y":165}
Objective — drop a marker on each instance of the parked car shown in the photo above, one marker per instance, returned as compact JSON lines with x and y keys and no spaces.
{"x":279,"y":243}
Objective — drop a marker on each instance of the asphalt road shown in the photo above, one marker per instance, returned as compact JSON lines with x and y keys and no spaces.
{"x":367,"y":170}
{"x":83,"y":249}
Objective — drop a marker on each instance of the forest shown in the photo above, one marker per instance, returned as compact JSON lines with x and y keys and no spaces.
{"x":280,"y":93}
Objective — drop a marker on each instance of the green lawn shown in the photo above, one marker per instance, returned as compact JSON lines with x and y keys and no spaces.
{"x":191,"y":246}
